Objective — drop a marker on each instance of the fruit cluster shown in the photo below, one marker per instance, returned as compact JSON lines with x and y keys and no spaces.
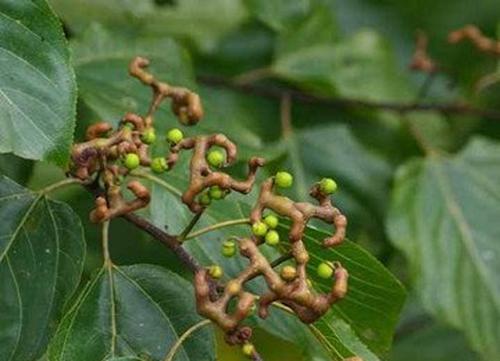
{"x":108,"y":156}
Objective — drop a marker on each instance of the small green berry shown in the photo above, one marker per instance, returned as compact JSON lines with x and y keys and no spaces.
{"x":248,"y":349}
{"x":132,"y":161}
{"x":175,"y":135}
{"x":283,"y":179}
{"x":327,"y":186}
{"x":159,"y":165}
{"x":149,"y":136}
{"x":271,"y":221}
{"x":288,"y":273}
{"x":324,"y":270}
{"x":216,"y":193}
{"x":216,"y":158}
{"x":215,"y":271}
{"x":228,"y":248}
{"x":259,"y":229}
{"x":272,"y":238}
{"x":205,"y":199}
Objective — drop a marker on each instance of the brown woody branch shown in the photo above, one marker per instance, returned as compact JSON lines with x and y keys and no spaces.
{"x":274,"y":92}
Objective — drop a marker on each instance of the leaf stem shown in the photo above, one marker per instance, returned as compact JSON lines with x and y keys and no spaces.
{"x":105,"y":243}
{"x":170,"y":188}
{"x":213,"y":227}
{"x":61,"y":184}
{"x":184,"y":336}
{"x":190,"y":226}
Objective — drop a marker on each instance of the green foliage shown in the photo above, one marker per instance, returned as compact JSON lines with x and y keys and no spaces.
{"x":434,"y":217}
{"x":442,"y":217}
{"x":41,"y":261}
{"x":134,"y":311}
{"x":37,"y":101}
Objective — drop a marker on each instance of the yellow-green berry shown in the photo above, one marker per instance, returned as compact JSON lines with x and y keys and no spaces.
{"x":325,"y":270}
{"x":216,"y":193}
{"x":259,"y":229}
{"x":131,"y":161}
{"x":205,"y":199}
{"x":159,"y":165}
{"x":174,"y":135}
{"x":283,"y":179}
{"x":288,"y":273}
{"x":327,"y":186}
{"x":215,"y":271}
{"x":272,"y":238}
{"x":216,"y":158}
{"x":248,"y":349}
{"x":271,"y":221}
{"x":228,"y":248}
{"x":149,"y":136}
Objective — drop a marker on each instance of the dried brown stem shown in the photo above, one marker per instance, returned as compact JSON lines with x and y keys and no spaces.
{"x":202,"y":176}
{"x":473,"y":34}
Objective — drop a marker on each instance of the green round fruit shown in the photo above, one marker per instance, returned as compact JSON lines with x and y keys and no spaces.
{"x":216,"y":158}
{"x":248,"y":349}
{"x":131,"y":161}
{"x":327,"y":186}
{"x":149,"y":136}
{"x":283,"y":179}
{"x":288,"y":273}
{"x":174,"y":135}
{"x":216,"y":193}
{"x":205,"y":199}
{"x":259,"y":229}
{"x":324,"y":270}
{"x":228,"y":248}
{"x":271,"y":221}
{"x":159,"y":165}
{"x":215,"y":271}
{"x":272,"y":238}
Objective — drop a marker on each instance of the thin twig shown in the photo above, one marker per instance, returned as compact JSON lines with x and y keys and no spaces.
{"x":166,"y":239}
{"x":61,"y":184}
{"x":348,"y":103}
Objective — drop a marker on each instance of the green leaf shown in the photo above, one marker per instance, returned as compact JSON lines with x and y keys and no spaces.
{"x":16,"y":168}
{"x":441,"y":344}
{"x":125,"y":15}
{"x":41,"y":259}
{"x":278,"y":13}
{"x":370,"y":311}
{"x":202,"y":22}
{"x":359,"y":66}
{"x":37,"y":101}
{"x":134,"y":312}
{"x":444,"y":218}
{"x":101,"y":61}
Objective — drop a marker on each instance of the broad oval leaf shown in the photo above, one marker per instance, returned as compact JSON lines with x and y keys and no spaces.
{"x":132,"y":312}
{"x":41,"y":259}
{"x":38,"y":89}
{"x":444,"y":218}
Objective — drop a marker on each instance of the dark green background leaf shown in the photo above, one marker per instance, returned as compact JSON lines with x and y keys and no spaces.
{"x":133,"y":311}
{"x":41,"y":259}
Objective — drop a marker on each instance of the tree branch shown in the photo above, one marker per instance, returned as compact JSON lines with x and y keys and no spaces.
{"x":274,"y":92}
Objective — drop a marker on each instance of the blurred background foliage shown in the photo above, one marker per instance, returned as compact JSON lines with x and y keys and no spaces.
{"x":432,"y":220}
